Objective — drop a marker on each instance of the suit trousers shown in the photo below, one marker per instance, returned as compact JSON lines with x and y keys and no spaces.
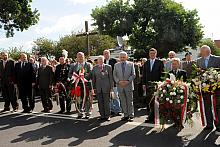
{"x":8,"y":93}
{"x":25,"y":94}
{"x":103,"y":103}
{"x":62,"y":100}
{"x":126,"y":98}
{"x":46,"y":99}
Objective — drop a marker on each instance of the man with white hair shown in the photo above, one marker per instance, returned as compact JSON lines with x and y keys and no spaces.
{"x":124,"y":75}
{"x":45,"y":82}
{"x":103,"y":83}
{"x":207,"y":60}
{"x":82,"y":68}
{"x":179,"y":73}
{"x":168,"y":65}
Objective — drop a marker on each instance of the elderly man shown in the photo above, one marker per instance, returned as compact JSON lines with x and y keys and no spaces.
{"x":207,"y":60}
{"x":179,"y":73}
{"x":115,"y":105}
{"x":124,"y":75}
{"x":103,"y":83}
{"x":84,"y":103}
{"x":45,"y":82}
{"x":168,"y":65}
{"x":7,"y":80}
{"x":25,"y":79}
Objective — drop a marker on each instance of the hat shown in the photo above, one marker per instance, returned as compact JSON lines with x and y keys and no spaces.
{"x":188,"y":53}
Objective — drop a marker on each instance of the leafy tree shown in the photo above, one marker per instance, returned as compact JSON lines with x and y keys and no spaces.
{"x":73,"y":44}
{"x":163,"y":24}
{"x":17,"y":15}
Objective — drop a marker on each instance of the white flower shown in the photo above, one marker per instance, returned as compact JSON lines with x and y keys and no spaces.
{"x":204,"y":75}
{"x":172,"y":82}
{"x":171,"y":93}
{"x":168,"y":85}
{"x":187,"y":100}
{"x":203,"y":84}
{"x":161,"y":95}
{"x":181,"y":97}
{"x":160,"y":89}
{"x":182,"y":87}
{"x":171,"y":101}
{"x":174,"y":88}
{"x":178,"y":101}
{"x":164,"y":91}
{"x":181,"y":91}
{"x":211,"y":77}
{"x":167,"y":99}
{"x":174,"y":93}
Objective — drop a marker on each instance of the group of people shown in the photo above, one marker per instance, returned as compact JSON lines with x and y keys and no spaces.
{"x":111,"y":81}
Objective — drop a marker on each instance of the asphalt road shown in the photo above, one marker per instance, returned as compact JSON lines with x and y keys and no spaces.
{"x":54,"y":130}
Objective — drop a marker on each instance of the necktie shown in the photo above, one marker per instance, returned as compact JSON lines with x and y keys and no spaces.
{"x":123,"y":67}
{"x":151,"y":64}
{"x":206,"y":62}
{"x":23,"y":64}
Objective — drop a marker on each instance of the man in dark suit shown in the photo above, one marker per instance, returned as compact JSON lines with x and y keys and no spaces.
{"x":207,"y":60}
{"x":61,"y":75}
{"x":45,"y":82}
{"x":25,"y":79}
{"x":179,"y":73}
{"x":152,"y":71}
{"x":7,"y":81}
{"x":115,"y":105}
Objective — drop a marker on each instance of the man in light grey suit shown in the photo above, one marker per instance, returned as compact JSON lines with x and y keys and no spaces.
{"x":124,"y":75}
{"x":102,"y":80}
{"x":207,"y":60}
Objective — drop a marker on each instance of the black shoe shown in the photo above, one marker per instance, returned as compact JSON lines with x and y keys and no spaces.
{"x":68,"y":112}
{"x":26,"y":111}
{"x":217,"y":131}
{"x":149,"y":121}
{"x":79,"y":117}
{"x":208,"y":128}
{"x":112,"y":113}
{"x":87,"y":117}
{"x":124,"y":118}
{"x":131,"y":119}
{"x":101,"y":119}
{"x":5,"y":110}
{"x":15,"y":110}
{"x":118,"y":114}
{"x":60,"y":112}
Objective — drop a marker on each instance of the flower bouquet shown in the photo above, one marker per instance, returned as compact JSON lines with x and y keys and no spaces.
{"x":172,"y":102}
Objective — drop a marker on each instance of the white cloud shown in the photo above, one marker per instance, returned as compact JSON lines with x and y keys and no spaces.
{"x":75,"y":2}
{"x":74,"y":22}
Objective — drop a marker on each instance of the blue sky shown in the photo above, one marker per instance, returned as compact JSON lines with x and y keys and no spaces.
{"x":61,"y":17}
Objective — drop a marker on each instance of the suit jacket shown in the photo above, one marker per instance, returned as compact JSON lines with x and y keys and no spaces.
{"x":24,"y":76}
{"x":187,"y":66}
{"x":155,"y":74}
{"x":112,"y":62}
{"x":61,"y":73}
{"x":45,"y":77}
{"x":7,"y":73}
{"x":214,"y":61}
{"x":180,"y":74}
{"x":102,"y":80}
{"x":129,"y":75}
